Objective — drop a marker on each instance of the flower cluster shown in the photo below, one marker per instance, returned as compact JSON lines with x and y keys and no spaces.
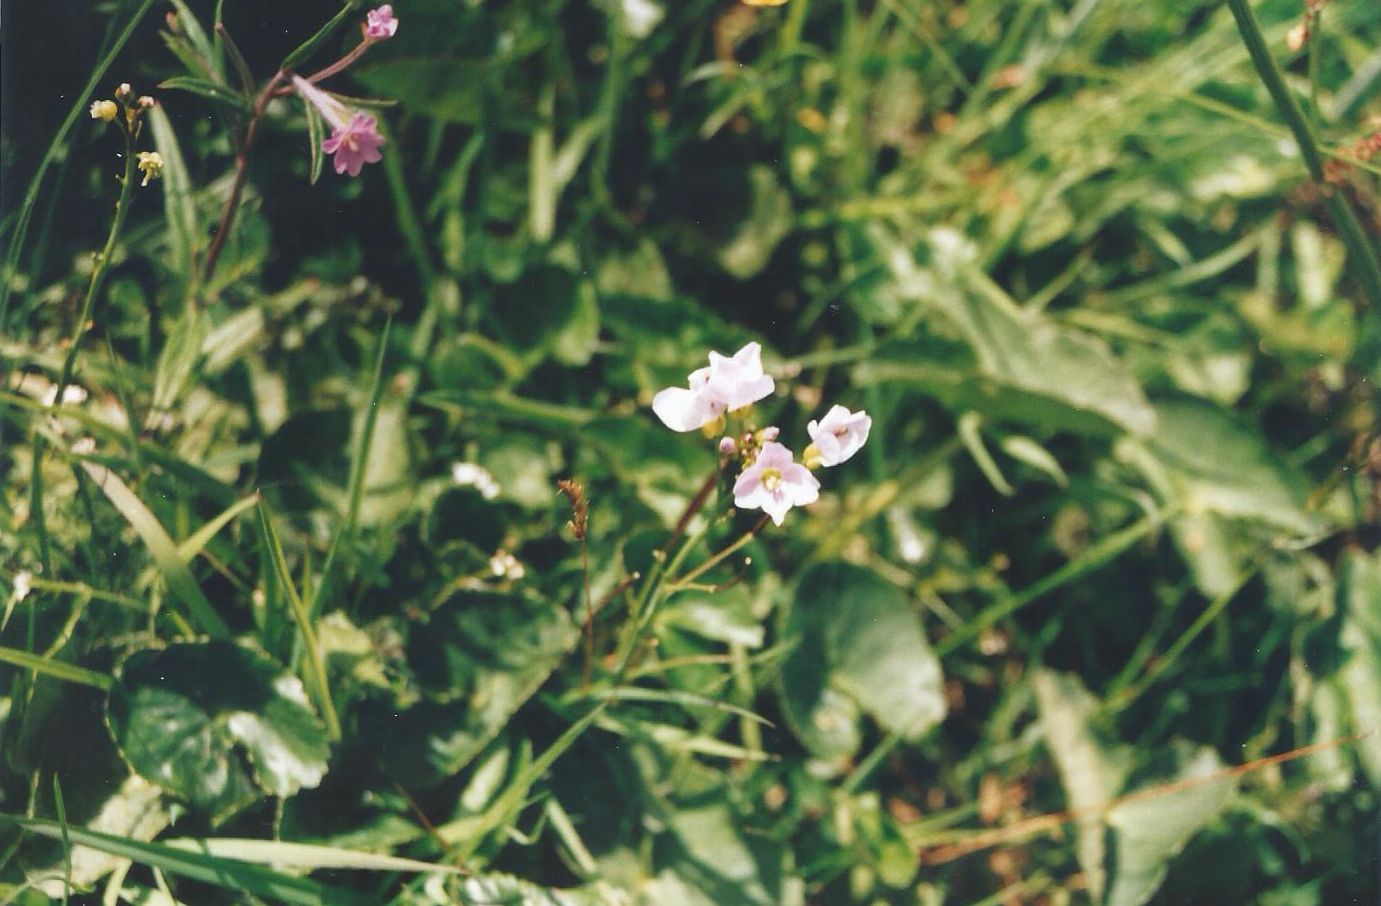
{"x":103,"y":110}
{"x":355,"y":139}
{"x":770,"y":478}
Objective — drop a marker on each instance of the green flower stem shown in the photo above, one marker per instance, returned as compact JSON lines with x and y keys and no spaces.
{"x":69,"y":363}
{"x":1360,"y":248}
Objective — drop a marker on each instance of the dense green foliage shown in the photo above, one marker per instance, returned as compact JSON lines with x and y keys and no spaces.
{"x":295,"y":610}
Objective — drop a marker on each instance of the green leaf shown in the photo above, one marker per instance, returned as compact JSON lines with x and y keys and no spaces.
{"x":1360,"y":638}
{"x":480,"y":657}
{"x":161,"y":548}
{"x":207,"y":89}
{"x":136,"y":811}
{"x":1028,"y":350}
{"x":445,"y":88}
{"x":179,"y":206}
{"x":243,"y":877}
{"x":769,"y":218}
{"x":855,"y":642}
{"x":1204,"y":457}
{"x":179,"y":714}
{"x":1092,"y":769}
{"x":1145,"y":834}
{"x":177,"y":363}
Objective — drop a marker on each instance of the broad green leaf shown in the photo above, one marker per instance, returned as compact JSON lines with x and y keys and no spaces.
{"x":1145,"y":834}
{"x":537,"y":307}
{"x":179,"y":715}
{"x":718,"y":859}
{"x":480,"y":657}
{"x":177,"y":363}
{"x":1027,"y":350}
{"x":1208,"y":460}
{"x":855,"y":642}
{"x":1092,"y":769}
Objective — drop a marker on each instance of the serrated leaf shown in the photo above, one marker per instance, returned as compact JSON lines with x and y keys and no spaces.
{"x":180,"y":714}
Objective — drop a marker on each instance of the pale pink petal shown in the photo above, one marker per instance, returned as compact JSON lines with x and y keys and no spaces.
{"x":681,"y":409}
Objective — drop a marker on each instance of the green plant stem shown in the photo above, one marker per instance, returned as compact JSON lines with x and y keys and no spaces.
{"x":1097,"y":555}
{"x":69,"y":362}
{"x":21,"y":226}
{"x":1360,"y":248}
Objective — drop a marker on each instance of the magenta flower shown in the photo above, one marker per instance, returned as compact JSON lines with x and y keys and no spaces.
{"x":775,"y":483}
{"x":727,"y":384}
{"x":355,"y":138}
{"x":380,"y":23}
{"x":837,"y":436}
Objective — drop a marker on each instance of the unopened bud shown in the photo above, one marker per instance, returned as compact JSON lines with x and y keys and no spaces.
{"x":145,"y":101}
{"x":769,"y":434}
{"x":124,"y":91}
{"x":728,"y":446}
{"x":1297,"y":37}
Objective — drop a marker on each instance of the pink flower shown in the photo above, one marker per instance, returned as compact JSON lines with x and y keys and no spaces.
{"x":775,"y":483}
{"x":355,"y":145}
{"x":380,"y":23}
{"x":355,"y":138}
{"x":837,"y":436}
{"x":727,"y":384}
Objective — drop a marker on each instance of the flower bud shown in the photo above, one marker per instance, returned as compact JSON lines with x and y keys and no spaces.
{"x":104,"y":110}
{"x":728,"y":446}
{"x":124,"y":92}
{"x":772,"y":432}
{"x":146,"y":102}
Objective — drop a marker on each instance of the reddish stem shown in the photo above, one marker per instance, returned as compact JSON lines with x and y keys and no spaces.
{"x":232,"y":204}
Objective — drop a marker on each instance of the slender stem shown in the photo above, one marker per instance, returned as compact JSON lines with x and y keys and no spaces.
{"x":696,"y":505}
{"x":342,"y":63}
{"x":720,"y":557}
{"x":69,"y":363}
{"x":1359,"y":246}
{"x":232,"y":204}
{"x":102,"y":265}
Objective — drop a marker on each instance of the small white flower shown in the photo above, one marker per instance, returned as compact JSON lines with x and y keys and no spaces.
{"x":837,"y":436}
{"x":729,"y":383}
{"x":23,"y":584}
{"x":469,"y":474}
{"x":775,"y":483}
{"x":505,"y":566}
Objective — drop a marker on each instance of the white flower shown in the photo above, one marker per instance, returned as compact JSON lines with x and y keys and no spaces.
{"x":837,"y":436}
{"x":775,"y":483}
{"x":729,"y":383}
{"x":23,"y":584}
{"x":469,"y":474}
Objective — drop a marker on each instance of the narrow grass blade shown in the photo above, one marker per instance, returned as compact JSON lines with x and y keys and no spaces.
{"x":56,"y":669}
{"x":232,"y":874}
{"x":316,"y":664}
{"x":161,"y":547}
{"x":308,"y":856}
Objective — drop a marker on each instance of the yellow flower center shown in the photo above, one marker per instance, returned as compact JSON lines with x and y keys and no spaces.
{"x":771,"y":479}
